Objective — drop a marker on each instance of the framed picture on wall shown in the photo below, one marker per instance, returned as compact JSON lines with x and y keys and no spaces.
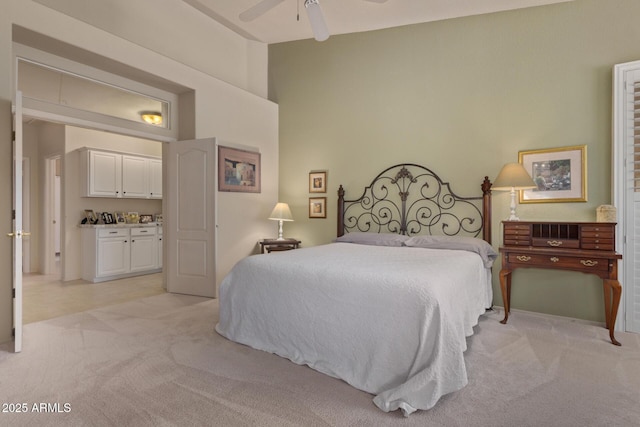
{"x":238,"y":170}
{"x":317,"y":207}
{"x":559,"y":173}
{"x":317,"y":182}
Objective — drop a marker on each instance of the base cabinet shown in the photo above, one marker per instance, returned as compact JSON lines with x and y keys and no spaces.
{"x":116,"y":252}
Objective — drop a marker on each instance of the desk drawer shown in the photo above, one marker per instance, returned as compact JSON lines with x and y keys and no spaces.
{"x":598,"y":244}
{"x":555,"y":261}
{"x":550,"y":242}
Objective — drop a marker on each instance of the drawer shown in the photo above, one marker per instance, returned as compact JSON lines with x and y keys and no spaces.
{"x":508,"y":241}
{"x":512,"y":226}
{"x":599,"y":244}
{"x":608,"y":234}
{"x":112,"y":232}
{"x":556,"y":243}
{"x":508,"y":231}
{"x":559,"y":261}
{"x":598,"y":228}
{"x":143,"y":231}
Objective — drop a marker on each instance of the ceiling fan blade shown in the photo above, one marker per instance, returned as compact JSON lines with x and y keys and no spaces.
{"x":316,"y":20}
{"x":258,"y":10}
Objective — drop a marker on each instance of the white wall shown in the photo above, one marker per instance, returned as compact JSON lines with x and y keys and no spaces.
{"x":223,"y":110}
{"x":177,"y":30}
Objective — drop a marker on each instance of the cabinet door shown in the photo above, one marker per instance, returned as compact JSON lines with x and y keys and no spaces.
{"x":105,"y":174}
{"x":155,"y":179}
{"x":113,"y":256}
{"x":160,"y":252}
{"x":135,"y":177}
{"x":144,"y":253}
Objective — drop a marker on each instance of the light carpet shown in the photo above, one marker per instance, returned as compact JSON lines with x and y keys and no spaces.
{"x":157,"y":361}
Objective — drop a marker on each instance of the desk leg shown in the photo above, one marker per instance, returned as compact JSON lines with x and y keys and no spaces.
{"x":611,"y":286}
{"x":505,"y":287}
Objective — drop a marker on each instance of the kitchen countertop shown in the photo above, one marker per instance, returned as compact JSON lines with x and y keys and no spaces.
{"x":120,"y":225}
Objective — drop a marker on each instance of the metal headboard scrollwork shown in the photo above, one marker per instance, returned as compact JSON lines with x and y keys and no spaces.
{"x":411,"y":199}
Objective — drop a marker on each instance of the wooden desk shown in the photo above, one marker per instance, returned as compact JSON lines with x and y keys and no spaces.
{"x":275,"y":245}
{"x":584,"y":247}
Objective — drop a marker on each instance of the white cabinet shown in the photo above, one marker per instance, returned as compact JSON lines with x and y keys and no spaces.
{"x":119,"y":175}
{"x":102,"y":173}
{"x":135,"y":177}
{"x":115,"y":252}
{"x":155,"y":178}
{"x":160,"y":247}
{"x":112,"y":252}
{"x":144,"y":249}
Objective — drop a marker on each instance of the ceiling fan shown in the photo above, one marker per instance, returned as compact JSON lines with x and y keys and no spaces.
{"x":316,"y":18}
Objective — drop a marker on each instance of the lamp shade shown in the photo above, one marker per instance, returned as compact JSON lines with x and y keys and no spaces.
{"x":513,"y":176}
{"x":316,"y":20}
{"x":281,"y":212}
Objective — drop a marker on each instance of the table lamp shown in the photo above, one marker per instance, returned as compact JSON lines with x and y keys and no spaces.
{"x":513,"y":177}
{"x":281,"y":213}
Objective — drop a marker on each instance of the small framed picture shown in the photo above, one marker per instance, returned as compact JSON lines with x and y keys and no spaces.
{"x":107,"y":218}
{"x":119,"y":217}
{"x":317,"y":182}
{"x":317,"y":207}
{"x":90,"y":216}
{"x":146,"y":218}
{"x":158,"y":218}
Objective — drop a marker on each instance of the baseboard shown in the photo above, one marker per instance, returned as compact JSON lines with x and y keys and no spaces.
{"x":551,"y":316}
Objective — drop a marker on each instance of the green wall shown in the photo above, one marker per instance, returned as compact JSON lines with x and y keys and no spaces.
{"x":462,"y":97}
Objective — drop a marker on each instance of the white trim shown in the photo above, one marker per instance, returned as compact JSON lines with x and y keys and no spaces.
{"x":74,"y":121}
{"x":550,"y":316}
{"x":619,"y":189}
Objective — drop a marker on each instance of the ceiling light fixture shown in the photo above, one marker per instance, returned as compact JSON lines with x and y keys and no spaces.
{"x":316,"y":20}
{"x":151,"y":117}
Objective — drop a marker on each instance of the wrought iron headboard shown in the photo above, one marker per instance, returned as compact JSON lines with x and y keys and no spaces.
{"x":411,"y":199}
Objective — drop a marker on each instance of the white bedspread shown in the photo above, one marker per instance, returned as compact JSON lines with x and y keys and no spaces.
{"x":391,"y":321}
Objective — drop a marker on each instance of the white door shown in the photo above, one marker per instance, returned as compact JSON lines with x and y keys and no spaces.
{"x":626,"y":167}
{"x":17,"y":231}
{"x":190,"y":222}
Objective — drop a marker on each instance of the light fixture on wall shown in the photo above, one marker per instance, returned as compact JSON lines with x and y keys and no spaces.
{"x":281,"y":213}
{"x":316,"y":20}
{"x":151,"y":117}
{"x":513,"y":177}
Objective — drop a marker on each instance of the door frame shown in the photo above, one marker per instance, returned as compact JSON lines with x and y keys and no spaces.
{"x":624,"y":241}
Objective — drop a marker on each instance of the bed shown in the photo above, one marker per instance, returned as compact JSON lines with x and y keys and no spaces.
{"x":387,"y":306}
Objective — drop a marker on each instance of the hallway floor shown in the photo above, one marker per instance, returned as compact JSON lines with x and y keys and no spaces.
{"x":46,"y":297}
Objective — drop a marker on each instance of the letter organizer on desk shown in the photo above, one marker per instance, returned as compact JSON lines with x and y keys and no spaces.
{"x":587,"y":247}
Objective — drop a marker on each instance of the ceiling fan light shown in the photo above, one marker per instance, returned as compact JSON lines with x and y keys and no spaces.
{"x":316,"y":20}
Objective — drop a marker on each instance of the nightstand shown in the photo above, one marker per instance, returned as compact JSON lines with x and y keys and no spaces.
{"x":275,"y":245}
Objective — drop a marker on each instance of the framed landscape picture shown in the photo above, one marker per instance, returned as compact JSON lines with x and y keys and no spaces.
{"x":238,"y":170}
{"x":559,"y":173}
